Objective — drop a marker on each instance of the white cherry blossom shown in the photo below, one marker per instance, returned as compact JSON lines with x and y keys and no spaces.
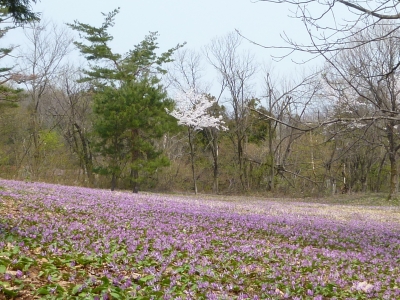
{"x":191,"y":110}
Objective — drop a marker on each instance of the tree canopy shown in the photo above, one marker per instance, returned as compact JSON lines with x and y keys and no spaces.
{"x":332,"y":25}
{"x":20,"y":10}
{"x":129,"y":101}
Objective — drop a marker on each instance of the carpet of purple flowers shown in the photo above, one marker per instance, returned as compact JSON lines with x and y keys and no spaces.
{"x":59,"y":242}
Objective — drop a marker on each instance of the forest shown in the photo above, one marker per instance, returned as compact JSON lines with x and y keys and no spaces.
{"x":147,"y":120}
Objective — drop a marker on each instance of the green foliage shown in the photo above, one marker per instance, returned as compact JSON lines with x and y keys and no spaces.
{"x":8,"y":95}
{"x":20,"y":10}
{"x":129,"y":102}
{"x":120,"y":113}
{"x":50,"y":140}
{"x":259,"y":128}
{"x":111,"y":68}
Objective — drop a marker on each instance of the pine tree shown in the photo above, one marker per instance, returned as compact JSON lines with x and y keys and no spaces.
{"x":8,"y":95}
{"x":20,"y":11}
{"x":129,"y":101}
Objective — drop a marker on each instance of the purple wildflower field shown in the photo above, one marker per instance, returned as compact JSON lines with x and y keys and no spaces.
{"x":60,"y":242}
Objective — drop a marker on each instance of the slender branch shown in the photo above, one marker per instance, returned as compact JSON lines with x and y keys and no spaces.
{"x":321,"y":124}
{"x":370,"y":12}
{"x":298,"y":175}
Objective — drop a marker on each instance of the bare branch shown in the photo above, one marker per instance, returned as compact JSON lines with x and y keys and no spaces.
{"x":370,"y":12}
{"x":321,"y":124}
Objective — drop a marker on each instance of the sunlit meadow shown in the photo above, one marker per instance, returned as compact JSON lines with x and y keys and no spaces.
{"x":59,"y":242}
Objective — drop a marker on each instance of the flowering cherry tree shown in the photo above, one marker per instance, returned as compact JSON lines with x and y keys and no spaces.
{"x":192,"y":111}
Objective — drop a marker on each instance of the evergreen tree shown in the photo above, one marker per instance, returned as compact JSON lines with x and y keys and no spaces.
{"x":129,"y":101}
{"x":8,"y":95}
{"x":19,"y":10}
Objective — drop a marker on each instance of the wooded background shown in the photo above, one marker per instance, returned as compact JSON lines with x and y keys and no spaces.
{"x":106,"y":123}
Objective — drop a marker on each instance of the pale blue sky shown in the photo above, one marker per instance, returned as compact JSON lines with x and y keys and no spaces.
{"x":192,"y":21}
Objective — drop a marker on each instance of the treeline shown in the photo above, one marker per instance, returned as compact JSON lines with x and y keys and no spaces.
{"x":106,"y":124}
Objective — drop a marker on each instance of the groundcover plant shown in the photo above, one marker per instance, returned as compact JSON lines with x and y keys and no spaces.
{"x":59,"y":242}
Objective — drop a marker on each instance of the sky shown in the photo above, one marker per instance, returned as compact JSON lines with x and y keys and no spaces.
{"x":177,"y":21}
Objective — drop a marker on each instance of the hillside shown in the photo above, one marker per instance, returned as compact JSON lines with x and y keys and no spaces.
{"x":62,"y":242}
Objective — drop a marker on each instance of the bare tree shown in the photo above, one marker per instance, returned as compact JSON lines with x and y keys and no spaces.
{"x":41,"y":61}
{"x":286,"y":103}
{"x":336,"y":25}
{"x":370,"y":100}
{"x":236,"y":69}
{"x":186,"y":72}
{"x":71,"y":108}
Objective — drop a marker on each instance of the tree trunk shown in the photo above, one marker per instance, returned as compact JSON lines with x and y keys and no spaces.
{"x":216,"y":170}
{"x":135,"y":158}
{"x":392,"y":158}
{"x":242,"y":172}
{"x":270,"y":158}
{"x":212,"y":137}
{"x":86,"y":156}
{"x":271,"y":153}
{"x":378,"y":177}
{"x":190,"y":134}
{"x":113,"y":182}
{"x":393,"y":176}
{"x":36,"y":143}
{"x":333,"y":181}
{"x":134,"y":181}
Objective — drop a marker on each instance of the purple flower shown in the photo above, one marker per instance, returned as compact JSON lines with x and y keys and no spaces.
{"x":222,"y":245}
{"x":7,"y":276}
{"x":19,"y":274}
{"x":105,"y":296}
